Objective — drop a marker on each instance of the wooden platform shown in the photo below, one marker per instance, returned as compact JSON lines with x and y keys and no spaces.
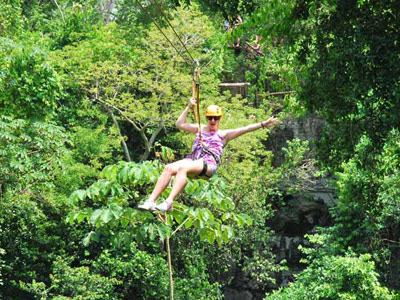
{"x":235,"y":88}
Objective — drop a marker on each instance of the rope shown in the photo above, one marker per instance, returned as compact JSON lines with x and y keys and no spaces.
{"x":196,"y":94}
{"x":198,"y":108}
{"x":209,"y":62}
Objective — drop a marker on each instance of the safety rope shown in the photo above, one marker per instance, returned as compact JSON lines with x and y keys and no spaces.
{"x":196,"y":95}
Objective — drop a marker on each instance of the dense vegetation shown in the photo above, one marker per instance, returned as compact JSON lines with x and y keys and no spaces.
{"x":89,"y":94}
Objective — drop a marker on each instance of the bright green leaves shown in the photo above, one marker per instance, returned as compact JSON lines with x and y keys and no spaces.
{"x":347,"y":277}
{"x":74,"y":283}
{"x":29,"y":151}
{"x":369,"y":185}
{"x":29,"y":87}
{"x":211,"y":226}
{"x":111,"y":207}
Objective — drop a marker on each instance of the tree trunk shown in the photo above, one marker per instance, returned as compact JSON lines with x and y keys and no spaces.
{"x":149,"y":143}
{"x":123,"y":144}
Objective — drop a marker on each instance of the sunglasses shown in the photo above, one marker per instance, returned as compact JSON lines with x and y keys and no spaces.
{"x":213,"y":118}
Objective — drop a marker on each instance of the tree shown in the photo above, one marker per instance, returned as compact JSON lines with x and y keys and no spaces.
{"x":10,"y":18}
{"x":29,"y":86}
{"x":229,"y":9}
{"x":31,"y":154}
{"x":351,"y":71}
{"x":143,"y":90}
{"x":118,"y":193}
{"x":336,"y":277}
{"x":348,"y":50}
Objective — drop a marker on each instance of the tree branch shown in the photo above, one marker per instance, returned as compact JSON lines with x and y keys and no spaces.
{"x":123,"y":143}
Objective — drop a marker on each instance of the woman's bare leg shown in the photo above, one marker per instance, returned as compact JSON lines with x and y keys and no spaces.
{"x":165,"y":177}
{"x":190,"y":168}
{"x":162,"y":183}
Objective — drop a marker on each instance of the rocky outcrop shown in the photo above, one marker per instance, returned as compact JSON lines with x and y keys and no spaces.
{"x":233,"y":294}
{"x":299,"y":214}
{"x":306,"y":129}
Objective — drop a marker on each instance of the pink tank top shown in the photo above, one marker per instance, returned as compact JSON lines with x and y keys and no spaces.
{"x":213,"y":141}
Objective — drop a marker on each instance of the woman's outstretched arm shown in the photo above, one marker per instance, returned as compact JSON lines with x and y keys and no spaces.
{"x":231,"y":134}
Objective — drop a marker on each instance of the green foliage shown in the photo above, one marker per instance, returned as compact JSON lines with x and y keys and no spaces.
{"x":347,"y":277}
{"x":30,"y":152}
{"x":351,"y":62}
{"x":367,"y":212}
{"x":272,"y":19}
{"x":32,"y":234}
{"x":141,"y":275}
{"x":10,"y":18}
{"x":74,"y":25}
{"x":124,"y":184}
{"x":31,"y":162}
{"x":94,"y":146}
{"x":29,"y":87}
{"x":74,"y":283}
{"x":229,"y":9}
{"x":193,"y":279}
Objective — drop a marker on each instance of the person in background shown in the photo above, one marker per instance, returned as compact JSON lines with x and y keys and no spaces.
{"x":256,"y":47}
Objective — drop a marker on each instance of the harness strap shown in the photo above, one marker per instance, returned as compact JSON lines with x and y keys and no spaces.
{"x":204,"y":170}
{"x":207,"y":150}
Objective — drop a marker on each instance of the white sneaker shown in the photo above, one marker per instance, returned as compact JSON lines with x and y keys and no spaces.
{"x":148,"y":205}
{"x":165,"y":206}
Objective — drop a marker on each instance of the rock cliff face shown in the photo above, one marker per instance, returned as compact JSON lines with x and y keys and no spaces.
{"x":299,"y":216}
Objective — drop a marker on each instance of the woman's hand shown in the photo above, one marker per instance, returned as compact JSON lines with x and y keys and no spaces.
{"x":271,"y":122}
{"x":192,"y":102}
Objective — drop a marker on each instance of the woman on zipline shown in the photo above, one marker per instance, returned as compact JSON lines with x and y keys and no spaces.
{"x":205,"y":157}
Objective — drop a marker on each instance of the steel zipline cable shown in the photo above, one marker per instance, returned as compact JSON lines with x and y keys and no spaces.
{"x":193,"y":61}
{"x":173,"y":29}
